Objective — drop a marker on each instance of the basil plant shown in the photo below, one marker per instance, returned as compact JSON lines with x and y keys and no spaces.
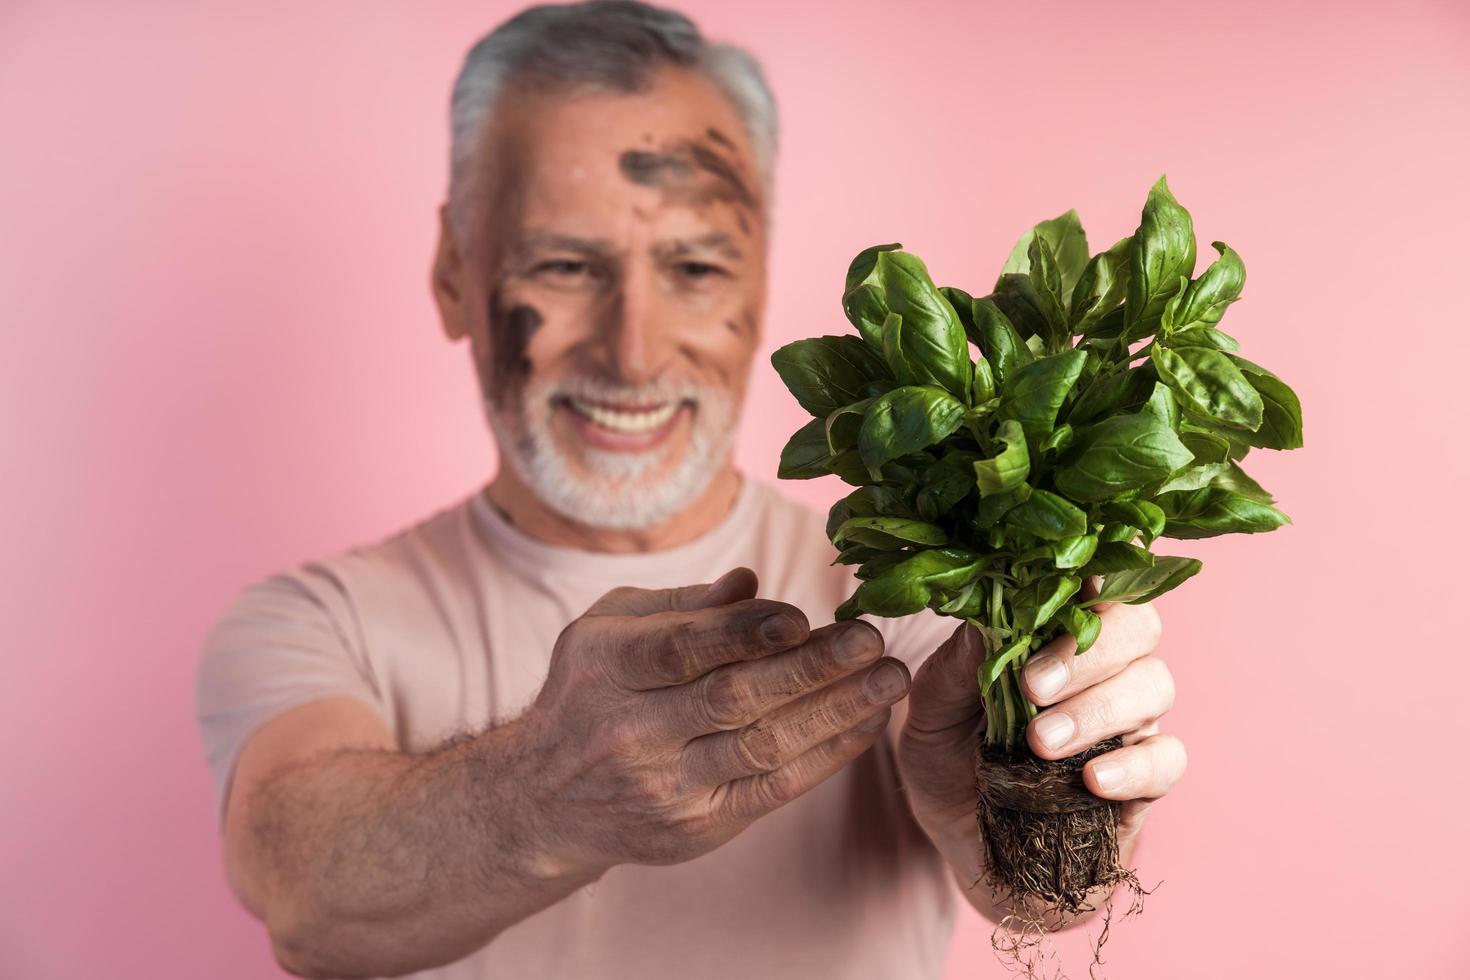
{"x":1006,"y":447}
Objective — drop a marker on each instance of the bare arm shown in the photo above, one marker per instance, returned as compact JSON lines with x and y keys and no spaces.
{"x":365,"y":861}
{"x":669,"y":721}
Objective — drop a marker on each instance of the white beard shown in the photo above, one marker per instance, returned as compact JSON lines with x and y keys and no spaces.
{"x":605,"y":489}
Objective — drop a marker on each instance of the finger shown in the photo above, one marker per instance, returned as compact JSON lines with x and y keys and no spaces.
{"x":1145,"y":770}
{"x":1129,"y":700}
{"x":749,"y":797}
{"x":735,"y":585}
{"x":735,"y":695}
{"x":945,"y":697}
{"x":770,"y":742}
{"x":1091,"y":586}
{"x":1056,"y":671}
{"x":671,"y":648}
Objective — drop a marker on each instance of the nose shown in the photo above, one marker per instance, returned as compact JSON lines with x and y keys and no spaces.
{"x":639,"y":328}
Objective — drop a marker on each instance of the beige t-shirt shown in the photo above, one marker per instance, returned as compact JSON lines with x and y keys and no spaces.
{"x":449,"y":624}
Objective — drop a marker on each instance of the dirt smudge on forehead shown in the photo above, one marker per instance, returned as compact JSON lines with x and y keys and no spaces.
{"x":688,"y":171}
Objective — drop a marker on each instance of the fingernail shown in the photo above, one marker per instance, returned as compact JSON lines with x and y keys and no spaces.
{"x":780,"y":630}
{"x":856,"y":646}
{"x":884,"y":683}
{"x":876,"y":721}
{"x":1054,"y":729}
{"x":1045,"y":676}
{"x":1109,"y":776}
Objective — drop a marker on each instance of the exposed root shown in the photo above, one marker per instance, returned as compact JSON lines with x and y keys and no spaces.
{"x":1048,"y":844}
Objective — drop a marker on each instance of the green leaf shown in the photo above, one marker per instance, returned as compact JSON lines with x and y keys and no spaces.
{"x":1231,"y":477}
{"x":1205,"y":299}
{"x":1162,"y":406}
{"x":805,"y":455}
{"x":1121,"y":453}
{"x":933,"y":338}
{"x":1074,"y":552}
{"x":866,"y":309}
{"x":860,"y":269}
{"x":991,"y":509}
{"x":826,"y":373}
{"x":946,"y":484}
{"x":1162,"y":250}
{"x":1141,"y":514}
{"x":1060,"y":439}
{"x":842,"y":425}
{"x":1015,"y":296}
{"x":1008,"y":469}
{"x":892,"y":593}
{"x":1101,"y":287}
{"x":1122,"y":391}
{"x":868,"y":501}
{"x":1281,"y":423}
{"x":1117,"y":556}
{"x":1048,"y":516}
{"x":1194,"y":477}
{"x":889,"y":532}
{"x":1084,"y":624}
{"x":1210,"y":385}
{"x":1035,"y":392}
{"x":1145,"y":584}
{"x":998,"y":340}
{"x":905,"y":420}
{"x":1212,"y":511}
{"x":1067,"y":242}
{"x":848,"y":467}
{"x":1048,"y":284}
{"x":1203,"y":337}
{"x":1036,"y":603}
{"x":1207,"y":446}
{"x":990,"y":670}
{"x":982,"y":388}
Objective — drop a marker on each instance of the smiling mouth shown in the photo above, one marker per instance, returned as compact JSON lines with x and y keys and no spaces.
{"x":629,"y":419}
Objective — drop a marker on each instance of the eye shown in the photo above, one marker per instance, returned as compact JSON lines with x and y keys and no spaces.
{"x":699,"y":270}
{"x":567,"y":268}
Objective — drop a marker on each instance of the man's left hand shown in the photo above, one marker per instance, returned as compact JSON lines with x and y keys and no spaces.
{"x":1118,"y":687}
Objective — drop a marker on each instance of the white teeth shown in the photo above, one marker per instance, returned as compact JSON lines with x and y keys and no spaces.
{"x":642,"y":420}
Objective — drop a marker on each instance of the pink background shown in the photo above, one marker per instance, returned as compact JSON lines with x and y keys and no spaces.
{"x":220,"y":357}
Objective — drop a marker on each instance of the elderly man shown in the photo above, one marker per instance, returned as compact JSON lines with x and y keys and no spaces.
{"x":513,"y":740}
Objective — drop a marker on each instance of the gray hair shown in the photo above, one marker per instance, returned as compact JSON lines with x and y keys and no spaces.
{"x":602,"y":45}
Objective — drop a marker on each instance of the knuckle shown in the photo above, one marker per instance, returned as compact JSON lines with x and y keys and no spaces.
{"x":1161,"y":683}
{"x":781,"y":786}
{"x":725,"y":699}
{"x":1150,"y":626}
{"x":1100,"y":714}
{"x":757,"y":748}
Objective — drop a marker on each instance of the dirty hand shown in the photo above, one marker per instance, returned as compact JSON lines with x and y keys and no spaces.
{"x":671,"y":719}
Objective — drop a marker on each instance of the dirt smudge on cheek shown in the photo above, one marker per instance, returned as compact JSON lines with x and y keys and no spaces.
{"x":510,"y":338}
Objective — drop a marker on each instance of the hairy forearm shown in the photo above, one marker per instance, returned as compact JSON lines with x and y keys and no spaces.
{"x":380,"y":863}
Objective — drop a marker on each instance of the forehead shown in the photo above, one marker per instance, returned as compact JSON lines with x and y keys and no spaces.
{"x":677,"y":148}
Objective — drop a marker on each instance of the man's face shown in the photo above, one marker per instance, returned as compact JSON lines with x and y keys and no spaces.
{"x":613,"y":293}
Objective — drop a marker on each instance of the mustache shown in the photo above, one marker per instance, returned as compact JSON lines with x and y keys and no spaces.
{"x":599,"y":389}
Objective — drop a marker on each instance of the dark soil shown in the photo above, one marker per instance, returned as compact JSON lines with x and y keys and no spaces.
{"x":1048,"y":843}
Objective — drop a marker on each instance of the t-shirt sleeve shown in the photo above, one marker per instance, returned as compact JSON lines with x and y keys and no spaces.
{"x":285,"y":641}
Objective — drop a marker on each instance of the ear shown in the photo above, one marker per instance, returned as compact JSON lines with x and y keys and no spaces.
{"x":447,"y":280}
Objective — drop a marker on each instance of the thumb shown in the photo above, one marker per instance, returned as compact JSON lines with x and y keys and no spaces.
{"x":945,"y":693}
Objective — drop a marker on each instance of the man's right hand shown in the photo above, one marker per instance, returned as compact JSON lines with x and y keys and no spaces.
{"x":672,"y":719}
